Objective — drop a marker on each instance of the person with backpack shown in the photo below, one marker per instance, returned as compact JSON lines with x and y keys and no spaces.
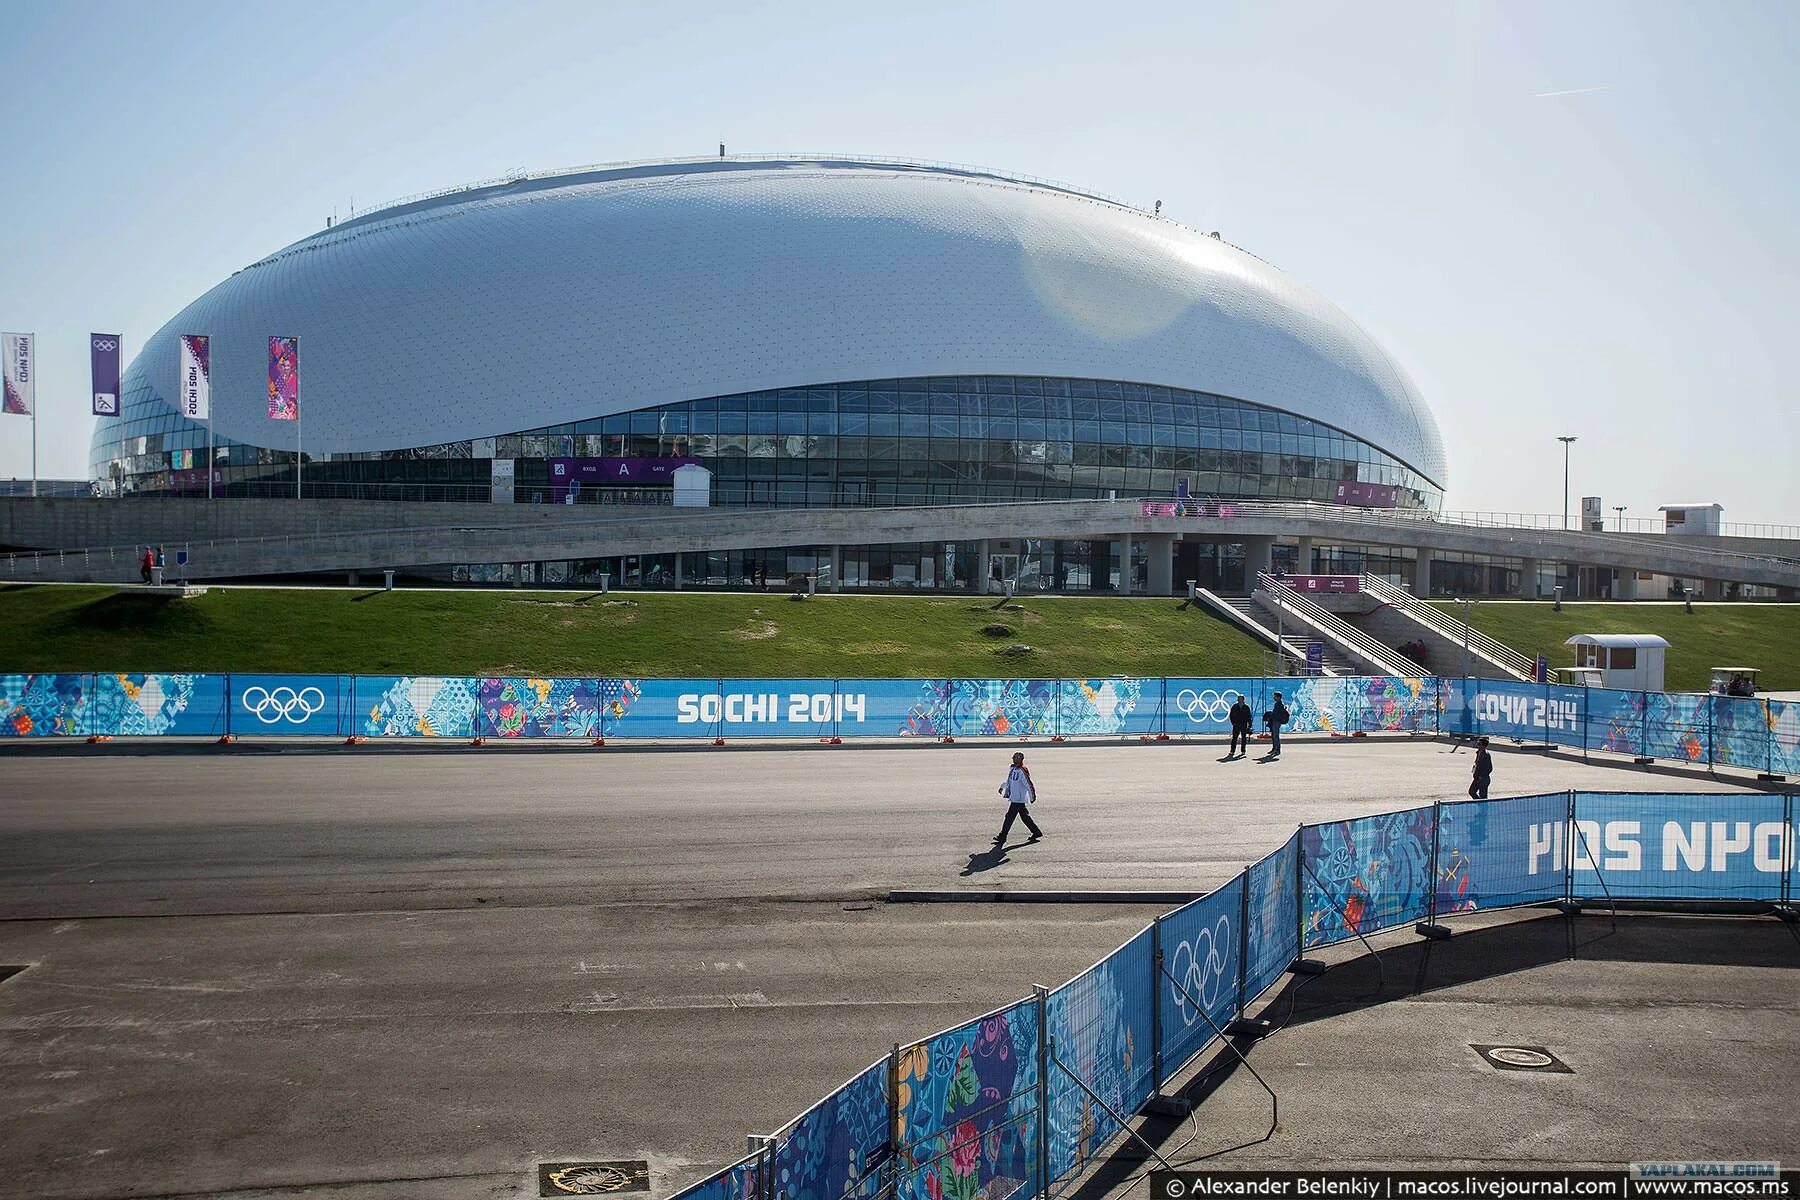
{"x":1484,"y":771}
{"x":1020,"y":794}
{"x":1240,"y":728}
{"x":1275,"y":718}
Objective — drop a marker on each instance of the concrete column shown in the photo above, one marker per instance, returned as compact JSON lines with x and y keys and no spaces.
{"x":978,"y":583}
{"x":837,"y":568}
{"x":355,"y":579}
{"x":1625,"y":587}
{"x":1422,"y":574}
{"x":1304,"y":557}
{"x":1259,"y":556}
{"x":678,"y":564}
{"x":1528,"y":571}
{"x":1714,"y":589}
{"x":1160,"y":580}
{"x":1122,"y":554}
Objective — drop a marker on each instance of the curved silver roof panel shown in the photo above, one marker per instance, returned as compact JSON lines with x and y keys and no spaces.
{"x":545,"y":300}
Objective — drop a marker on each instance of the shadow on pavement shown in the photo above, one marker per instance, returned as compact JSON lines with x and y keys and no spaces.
{"x":1417,"y":967}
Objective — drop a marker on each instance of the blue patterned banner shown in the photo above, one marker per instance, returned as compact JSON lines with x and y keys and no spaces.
{"x":1677,"y":725}
{"x":1497,"y":853}
{"x":1784,"y":737}
{"x":1615,"y":721}
{"x":902,"y":707}
{"x":967,"y":1110}
{"x":290,"y":705}
{"x":524,"y":707}
{"x":406,"y":706}
{"x":153,"y":706}
{"x":740,"y":1181}
{"x":1525,"y":712}
{"x":1741,"y":729}
{"x":40,"y":705}
{"x":1099,"y":707}
{"x":835,"y":1150}
{"x":1100,"y":1028}
{"x":1273,"y":933}
{"x":1200,"y":980}
{"x":1662,"y":847}
{"x":1003,"y":707}
{"x":1363,"y":875}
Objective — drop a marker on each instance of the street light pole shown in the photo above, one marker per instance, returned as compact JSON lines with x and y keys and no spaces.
{"x":1620,"y":509}
{"x":1565,"y":440}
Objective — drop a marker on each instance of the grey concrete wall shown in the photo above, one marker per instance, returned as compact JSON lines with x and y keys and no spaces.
{"x":229,"y":538}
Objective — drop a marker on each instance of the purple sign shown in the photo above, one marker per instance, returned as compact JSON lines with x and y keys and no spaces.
{"x":1336,"y":585}
{"x":103,"y":359}
{"x":569,"y":475}
{"x":193,"y":479}
{"x":1366,"y":495}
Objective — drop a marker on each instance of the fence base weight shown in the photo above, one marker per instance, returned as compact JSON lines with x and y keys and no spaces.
{"x":1309,"y":966}
{"x":225,"y":739}
{"x":1785,"y":913}
{"x":1168,"y":1106}
{"x":1568,"y":908}
{"x":1643,"y":760}
{"x":1252,"y":1027}
{"x":1765,"y":777}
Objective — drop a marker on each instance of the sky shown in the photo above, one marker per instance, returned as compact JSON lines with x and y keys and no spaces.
{"x":1559,"y":218}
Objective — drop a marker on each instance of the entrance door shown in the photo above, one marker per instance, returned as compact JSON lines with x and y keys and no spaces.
{"x":1009,"y":566}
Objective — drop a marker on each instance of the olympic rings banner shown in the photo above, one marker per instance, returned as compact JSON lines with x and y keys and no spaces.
{"x":289,"y":705}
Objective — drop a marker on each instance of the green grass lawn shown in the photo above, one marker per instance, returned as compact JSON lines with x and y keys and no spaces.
{"x":1713,"y":635}
{"x":81,"y":628}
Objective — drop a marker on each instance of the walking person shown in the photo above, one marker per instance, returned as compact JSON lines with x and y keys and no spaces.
{"x":1275,"y":718}
{"x":1484,"y":771}
{"x":1241,"y":725}
{"x":148,"y":562}
{"x":1020,"y":794}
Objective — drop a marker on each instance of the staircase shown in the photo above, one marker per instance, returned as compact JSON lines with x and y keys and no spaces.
{"x":1445,"y":634}
{"x":1368,"y":655}
{"x":1261,"y":623}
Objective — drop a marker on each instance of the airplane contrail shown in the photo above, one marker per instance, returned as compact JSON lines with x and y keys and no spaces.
{"x":1573,"y":91}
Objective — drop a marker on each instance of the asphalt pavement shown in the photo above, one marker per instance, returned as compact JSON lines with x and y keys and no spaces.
{"x":411,"y":974}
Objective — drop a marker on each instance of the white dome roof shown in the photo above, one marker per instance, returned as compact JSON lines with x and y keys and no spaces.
{"x":560,"y":298}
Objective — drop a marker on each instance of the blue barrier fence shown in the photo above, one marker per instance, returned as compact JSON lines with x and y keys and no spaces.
{"x":460,"y":706}
{"x":1020,"y":1101}
{"x":1759,"y":735}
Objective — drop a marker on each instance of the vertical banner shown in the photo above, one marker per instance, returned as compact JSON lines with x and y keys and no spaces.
{"x":284,"y":379}
{"x":103,"y":359}
{"x":196,"y":377}
{"x":20,"y":374}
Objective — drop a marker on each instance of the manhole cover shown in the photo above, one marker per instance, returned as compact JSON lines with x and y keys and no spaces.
{"x":1522,"y":1058}
{"x":592,"y":1178}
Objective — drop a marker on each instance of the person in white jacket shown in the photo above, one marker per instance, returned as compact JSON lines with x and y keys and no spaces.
{"x":1020,"y":793}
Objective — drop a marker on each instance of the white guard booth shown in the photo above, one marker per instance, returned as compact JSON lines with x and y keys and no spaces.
{"x":1625,"y":660}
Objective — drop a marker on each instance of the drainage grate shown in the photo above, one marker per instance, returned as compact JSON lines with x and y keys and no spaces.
{"x":8,"y":970}
{"x":593,"y":1178}
{"x":1522,"y":1058}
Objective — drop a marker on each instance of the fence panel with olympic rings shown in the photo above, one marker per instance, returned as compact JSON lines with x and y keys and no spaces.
{"x":290,"y":705}
{"x":1202,"y":706}
{"x":1201,"y":947}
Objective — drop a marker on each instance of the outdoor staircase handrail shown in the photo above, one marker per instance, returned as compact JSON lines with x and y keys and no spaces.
{"x":1450,"y":627}
{"x":1261,"y":632}
{"x":1345,"y":633}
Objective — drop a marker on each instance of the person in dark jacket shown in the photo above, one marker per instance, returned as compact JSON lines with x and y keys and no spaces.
{"x":1275,"y":718}
{"x":1484,"y":771}
{"x":1241,"y":720}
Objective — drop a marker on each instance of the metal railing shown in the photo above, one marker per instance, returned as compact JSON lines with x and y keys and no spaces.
{"x":1449,"y":627}
{"x":1355,"y":641}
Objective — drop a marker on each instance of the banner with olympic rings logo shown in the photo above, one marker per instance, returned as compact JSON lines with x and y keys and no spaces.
{"x":289,"y":705}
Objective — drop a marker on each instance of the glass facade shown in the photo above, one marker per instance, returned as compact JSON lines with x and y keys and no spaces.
{"x":939,"y":440}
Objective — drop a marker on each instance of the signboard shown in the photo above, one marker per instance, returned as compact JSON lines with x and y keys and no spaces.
{"x":1592,"y":519}
{"x":501,"y":481}
{"x":103,"y":364}
{"x":193,"y":479}
{"x":1365,"y":495}
{"x":566,"y":474}
{"x":1315,"y":658}
{"x":1331,"y":585}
